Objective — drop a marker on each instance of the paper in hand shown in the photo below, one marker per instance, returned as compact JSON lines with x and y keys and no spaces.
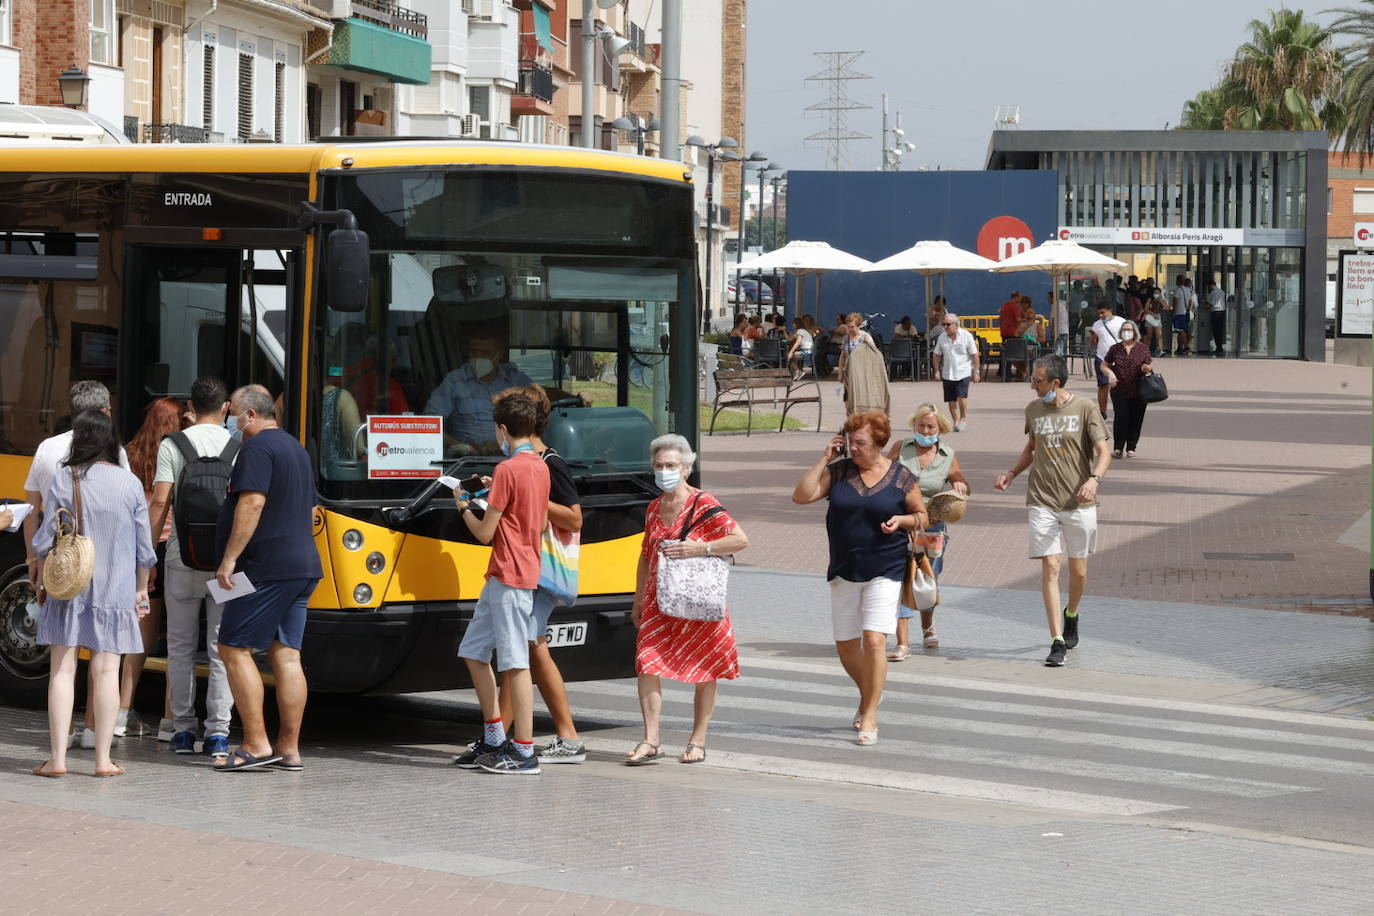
{"x":20,"y":510}
{"x":242,"y":587}
{"x":453,"y":483}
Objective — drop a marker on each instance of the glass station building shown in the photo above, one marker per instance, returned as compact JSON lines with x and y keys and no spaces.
{"x":1231,"y":206}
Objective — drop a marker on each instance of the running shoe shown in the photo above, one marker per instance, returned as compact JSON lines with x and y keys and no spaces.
{"x":1056,"y":657}
{"x":468,"y":759}
{"x":507,"y":762}
{"x":1070,"y":630}
{"x":562,"y":750}
{"x":184,"y":743}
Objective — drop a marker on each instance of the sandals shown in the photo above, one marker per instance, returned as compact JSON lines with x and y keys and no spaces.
{"x":242,"y":760}
{"x":688,"y":750}
{"x":1116,"y":453}
{"x":651,"y":757}
{"x":867,"y":739}
{"x":39,"y":771}
{"x":117,"y":771}
{"x":901,"y":653}
{"x":930,"y":639}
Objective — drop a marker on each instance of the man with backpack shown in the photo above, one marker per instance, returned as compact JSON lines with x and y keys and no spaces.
{"x":193,"y":471}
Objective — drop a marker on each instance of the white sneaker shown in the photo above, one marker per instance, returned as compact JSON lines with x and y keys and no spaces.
{"x":87,"y":739}
{"x":959,"y":427}
{"x":73,"y":737}
{"x":166,"y":728}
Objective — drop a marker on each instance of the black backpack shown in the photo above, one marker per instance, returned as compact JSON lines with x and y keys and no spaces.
{"x":201,"y":490}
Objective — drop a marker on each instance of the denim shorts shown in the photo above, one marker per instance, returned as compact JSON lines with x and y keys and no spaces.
{"x":544,"y":603}
{"x":273,"y":613}
{"x":1102,"y":380}
{"x":502,"y":623}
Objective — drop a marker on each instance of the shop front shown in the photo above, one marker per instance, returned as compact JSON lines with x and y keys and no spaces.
{"x":1230,"y":207}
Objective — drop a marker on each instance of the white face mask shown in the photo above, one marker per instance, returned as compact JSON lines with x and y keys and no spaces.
{"x":481,"y":366}
{"x":668,"y":480}
{"x":1127,"y":334}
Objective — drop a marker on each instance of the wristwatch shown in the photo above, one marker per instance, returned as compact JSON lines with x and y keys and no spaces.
{"x":1095,"y":477}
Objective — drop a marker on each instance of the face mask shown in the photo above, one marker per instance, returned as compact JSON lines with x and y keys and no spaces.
{"x":1048,"y":397}
{"x":481,"y":366}
{"x":1127,"y":335}
{"x":668,"y":480}
{"x":925,"y":441}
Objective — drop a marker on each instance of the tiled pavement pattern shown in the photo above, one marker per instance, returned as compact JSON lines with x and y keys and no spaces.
{"x":1245,"y":457}
{"x":1122,"y":784}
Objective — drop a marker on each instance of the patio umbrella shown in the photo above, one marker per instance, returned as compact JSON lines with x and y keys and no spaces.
{"x":1058,"y":259}
{"x":930,"y":258}
{"x":800,"y":258}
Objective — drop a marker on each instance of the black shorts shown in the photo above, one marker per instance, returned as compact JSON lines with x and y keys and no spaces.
{"x":956,"y":390}
{"x":273,"y":613}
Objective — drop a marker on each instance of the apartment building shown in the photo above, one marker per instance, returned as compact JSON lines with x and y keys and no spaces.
{"x":474,"y":72}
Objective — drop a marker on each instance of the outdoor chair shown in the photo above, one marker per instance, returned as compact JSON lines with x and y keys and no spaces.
{"x":768,"y":352}
{"x":901,"y":352}
{"x":1016,"y":350}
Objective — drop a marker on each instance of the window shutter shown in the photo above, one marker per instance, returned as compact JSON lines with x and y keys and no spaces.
{"x":245,"y":125}
{"x":279,"y":121}
{"x":207,"y":111}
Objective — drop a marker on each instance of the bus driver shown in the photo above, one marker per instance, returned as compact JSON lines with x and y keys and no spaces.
{"x":463,"y":398}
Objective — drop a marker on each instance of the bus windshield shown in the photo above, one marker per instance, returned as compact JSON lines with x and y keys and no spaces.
{"x":483,"y":282}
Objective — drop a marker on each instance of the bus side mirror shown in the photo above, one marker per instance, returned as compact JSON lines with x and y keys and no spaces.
{"x":349,"y":259}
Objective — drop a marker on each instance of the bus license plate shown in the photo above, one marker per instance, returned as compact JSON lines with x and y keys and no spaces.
{"x":567,"y":634}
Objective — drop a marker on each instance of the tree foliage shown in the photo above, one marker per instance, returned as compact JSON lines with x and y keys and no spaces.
{"x":1357,"y":95}
{"x":1288,"y":76}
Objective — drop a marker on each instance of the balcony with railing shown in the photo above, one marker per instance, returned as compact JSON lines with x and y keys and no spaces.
{"x":534,"y":93}
{"x":179,"y":133}
{"x":382,"y":38}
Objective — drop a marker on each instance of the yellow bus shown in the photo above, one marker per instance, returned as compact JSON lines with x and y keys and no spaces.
{"x":371,"y":269}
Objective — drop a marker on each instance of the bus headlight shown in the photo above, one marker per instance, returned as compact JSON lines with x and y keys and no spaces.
{"x":362,"y":594}
{"x":375,"y":562}
{"x":352,"y":539}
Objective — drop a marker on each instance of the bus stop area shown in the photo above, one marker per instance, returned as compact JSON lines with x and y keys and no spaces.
{"x":1207,"y":749}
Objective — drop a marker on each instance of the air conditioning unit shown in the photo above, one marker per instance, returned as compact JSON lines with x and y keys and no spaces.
{"x":480,"y":10}
{"x":467,"y":6}
{"x":470,"y":126}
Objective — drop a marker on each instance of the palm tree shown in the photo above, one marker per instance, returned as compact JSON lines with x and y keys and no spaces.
{"x":1287,"y":77}
{"x":1291,"y":71}
{"x":1358,"y":95}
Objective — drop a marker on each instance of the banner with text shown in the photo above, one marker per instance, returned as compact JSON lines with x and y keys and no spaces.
{"x":1356,"y":295}
{"x":404,"y":446}
{"x":1108,"y":235}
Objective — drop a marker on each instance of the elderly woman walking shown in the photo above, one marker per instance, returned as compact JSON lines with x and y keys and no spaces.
{"x":698,"y":652}
{"x":1127,"y":360}
{"x":108,"y":501}
{"x":863,"y":369}
{"x":874,"y":502}
{"x":936,"y":469}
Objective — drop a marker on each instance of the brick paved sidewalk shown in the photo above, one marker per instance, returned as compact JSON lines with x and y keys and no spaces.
{"x":1246,"y":459}
{"x":60,"y":861}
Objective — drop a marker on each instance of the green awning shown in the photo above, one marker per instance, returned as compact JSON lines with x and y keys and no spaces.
{"x":543,"y":32}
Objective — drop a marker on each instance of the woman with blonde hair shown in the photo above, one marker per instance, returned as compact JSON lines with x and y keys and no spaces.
{"x":936,"y":470}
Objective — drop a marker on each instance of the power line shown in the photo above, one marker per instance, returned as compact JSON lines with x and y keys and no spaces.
{"x":838,"y":72}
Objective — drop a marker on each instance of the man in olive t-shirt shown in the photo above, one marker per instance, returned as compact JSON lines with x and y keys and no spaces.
{"x":1067,"y":453}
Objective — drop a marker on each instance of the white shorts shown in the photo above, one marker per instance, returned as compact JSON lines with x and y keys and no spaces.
{"x":859,"y":606}
{"x":1070,"y":531}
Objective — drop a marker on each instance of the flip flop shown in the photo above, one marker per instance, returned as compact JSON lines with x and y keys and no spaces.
{"x":38,"y":771}
{"x":688,"y":749}
{"x":249,"y":761}
{"x":867,"y":739}
{"x":647,"y":758}
{"x":117,"y":771}
{"x":288,"y":767}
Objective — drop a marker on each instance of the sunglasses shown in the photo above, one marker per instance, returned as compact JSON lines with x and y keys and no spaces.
{"x":948,"y":324}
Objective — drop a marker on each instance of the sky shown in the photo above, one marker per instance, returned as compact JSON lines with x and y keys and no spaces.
{"x":947,"y":65}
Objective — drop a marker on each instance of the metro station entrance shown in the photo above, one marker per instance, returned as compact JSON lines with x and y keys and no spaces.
{"x":1262,"y":285}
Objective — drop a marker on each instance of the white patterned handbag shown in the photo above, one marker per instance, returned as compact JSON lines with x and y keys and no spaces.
{"x":693,"y":588}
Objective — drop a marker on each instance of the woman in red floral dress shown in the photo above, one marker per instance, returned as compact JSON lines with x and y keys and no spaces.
{"x":692,"y":651}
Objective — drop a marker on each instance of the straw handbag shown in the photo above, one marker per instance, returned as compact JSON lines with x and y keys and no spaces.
{"x":69,"y":566}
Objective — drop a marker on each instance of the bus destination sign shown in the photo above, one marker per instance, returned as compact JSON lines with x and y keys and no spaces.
{"x":404,"y":446}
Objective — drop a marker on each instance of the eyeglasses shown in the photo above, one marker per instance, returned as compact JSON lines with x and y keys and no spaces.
{"x":1038,"y":381}
{"x":948,"y":324}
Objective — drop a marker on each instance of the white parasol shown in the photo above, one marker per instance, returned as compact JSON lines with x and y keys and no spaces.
{"x":800,"y":258}
{"x":930,"y":258}
{"x":1058,"y":259}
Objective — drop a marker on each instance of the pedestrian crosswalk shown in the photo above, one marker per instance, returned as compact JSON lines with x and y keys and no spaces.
{"x":1046,"y":747}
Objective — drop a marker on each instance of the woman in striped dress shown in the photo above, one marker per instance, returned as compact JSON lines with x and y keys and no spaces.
{"x":692,"y":651}
{"x":104,"y":617}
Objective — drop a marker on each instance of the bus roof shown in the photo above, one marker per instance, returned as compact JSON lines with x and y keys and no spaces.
{"x":254,"y":158}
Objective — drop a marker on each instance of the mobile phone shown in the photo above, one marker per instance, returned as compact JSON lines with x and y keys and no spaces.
{"x":844,"y":449}
{"x":472,"y":484}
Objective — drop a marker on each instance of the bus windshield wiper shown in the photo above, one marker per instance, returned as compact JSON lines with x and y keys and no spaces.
{"x":402,"y":514}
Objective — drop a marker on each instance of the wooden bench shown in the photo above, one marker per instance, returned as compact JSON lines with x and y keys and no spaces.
{"x":751,"y":387}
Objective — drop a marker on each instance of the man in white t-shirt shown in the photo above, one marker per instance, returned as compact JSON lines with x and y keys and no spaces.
{"x":1106,"y":333}
{"x":48,"y":458}
{"x":956,"y":360}
{"x":1059,"y":316}
{"x":185,"y":589}
{"x":1216,"y":307}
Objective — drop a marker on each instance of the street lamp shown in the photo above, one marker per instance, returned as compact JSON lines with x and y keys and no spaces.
{"x":73,"y":83}
{"x":722,"y":150}
{"x":776,"y":180}
{"x":638,"y":126}
{"x":756,"y":161}
{"x":770,"y":166}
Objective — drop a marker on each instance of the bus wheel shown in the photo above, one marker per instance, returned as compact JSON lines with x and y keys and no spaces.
{"x":23,"y":662}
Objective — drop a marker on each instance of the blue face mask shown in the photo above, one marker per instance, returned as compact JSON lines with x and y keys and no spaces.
{"x":1048,"y":397}
{"x":925,"y":441}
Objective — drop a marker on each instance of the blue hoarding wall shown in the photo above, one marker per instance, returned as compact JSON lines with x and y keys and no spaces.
{"x":876,"y":214}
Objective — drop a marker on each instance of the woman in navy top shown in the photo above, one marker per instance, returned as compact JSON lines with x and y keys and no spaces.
{"x":874,"y":503}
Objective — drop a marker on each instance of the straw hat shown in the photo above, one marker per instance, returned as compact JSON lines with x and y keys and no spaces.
{"x":947,"y":506}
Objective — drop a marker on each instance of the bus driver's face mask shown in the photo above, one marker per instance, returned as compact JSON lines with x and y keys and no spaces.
{"x":481,"y":366}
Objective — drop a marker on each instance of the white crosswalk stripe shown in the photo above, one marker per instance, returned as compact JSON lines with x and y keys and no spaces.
{"x":1034,"y":745}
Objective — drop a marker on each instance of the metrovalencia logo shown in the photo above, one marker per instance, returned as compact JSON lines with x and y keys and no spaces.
{"x":1363,"y":235}
{"x":1003,"y":236}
